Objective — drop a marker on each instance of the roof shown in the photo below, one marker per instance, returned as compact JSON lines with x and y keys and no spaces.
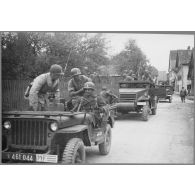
{"x":183,"y":57}
{"x":179,"y":57}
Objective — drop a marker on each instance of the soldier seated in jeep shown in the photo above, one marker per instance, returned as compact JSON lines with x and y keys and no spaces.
{"x":93,"y":104}
{"x":108,"y":96}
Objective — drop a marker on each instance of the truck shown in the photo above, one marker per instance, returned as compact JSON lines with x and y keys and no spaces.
{"x":164,"y":92}
{"x":137,"y":96}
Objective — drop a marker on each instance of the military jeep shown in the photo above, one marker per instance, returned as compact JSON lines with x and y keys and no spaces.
{"x":137,"y":96}
{"x":52,"y":136}
{"x":164,"y":92}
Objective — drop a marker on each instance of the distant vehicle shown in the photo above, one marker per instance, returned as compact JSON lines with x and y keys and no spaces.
{"x":52,"y":136}
{"x":137,"y":96}
{"x":164,"y":92}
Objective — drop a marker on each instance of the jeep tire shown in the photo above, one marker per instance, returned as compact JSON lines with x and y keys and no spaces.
{"x":145,"y":113}
{"x":104,"y":148}
{"x":170,"y":100}
{"x":74,"y":152}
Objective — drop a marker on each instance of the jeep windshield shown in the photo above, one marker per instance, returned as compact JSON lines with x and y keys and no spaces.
{"x":134,"y":85}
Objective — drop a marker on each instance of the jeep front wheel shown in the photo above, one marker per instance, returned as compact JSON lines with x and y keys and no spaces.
{"x":74,"y":152}
{"x":104,"y":148}
{"x":145,"y":113}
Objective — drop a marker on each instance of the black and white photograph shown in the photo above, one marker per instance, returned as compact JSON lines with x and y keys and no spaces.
{"x":97,"y":97}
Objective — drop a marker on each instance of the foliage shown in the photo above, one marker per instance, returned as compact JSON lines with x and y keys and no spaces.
{"x":132,"y":59}
{"x":28,"y":54}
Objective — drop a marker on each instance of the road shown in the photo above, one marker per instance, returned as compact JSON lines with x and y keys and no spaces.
{"x":166,"y":138}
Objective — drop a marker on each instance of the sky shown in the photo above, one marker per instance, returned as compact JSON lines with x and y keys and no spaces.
{"x":155,"y":46}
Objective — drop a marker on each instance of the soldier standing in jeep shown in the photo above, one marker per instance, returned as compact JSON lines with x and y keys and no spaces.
{"x":45,"y":87}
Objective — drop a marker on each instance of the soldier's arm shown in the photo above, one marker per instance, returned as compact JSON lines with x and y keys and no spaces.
{"x":37,"y":84}
{"x":87,"y":79}
{"x":71,"y":89}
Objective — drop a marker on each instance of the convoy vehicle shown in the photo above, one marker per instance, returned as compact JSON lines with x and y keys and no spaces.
{"x":164,"y":92}
{"x":53,"y":136}
{"x":137,"y":96}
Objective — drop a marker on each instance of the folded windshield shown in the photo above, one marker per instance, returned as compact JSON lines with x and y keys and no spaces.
{"x":134,"y":85}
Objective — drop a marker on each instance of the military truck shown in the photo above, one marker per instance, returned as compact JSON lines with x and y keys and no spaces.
{"x":137,"y":96}
{"x":164,"y":92}
{"x":53,"y":136}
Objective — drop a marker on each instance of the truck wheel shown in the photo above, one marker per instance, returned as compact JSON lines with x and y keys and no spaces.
{"x":170,"y":100}
{"x":74,"y":152}
{"x":145,"y":113}
{"x":104,"y":148}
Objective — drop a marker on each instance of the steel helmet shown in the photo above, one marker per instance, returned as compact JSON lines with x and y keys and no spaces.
{"x":56,"y":69}
{"x":75,"y":71}
{"x":89,"y":85}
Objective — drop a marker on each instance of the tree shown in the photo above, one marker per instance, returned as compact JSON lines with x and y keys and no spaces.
{"x":28,"y":54}
{"x":132,"y":59}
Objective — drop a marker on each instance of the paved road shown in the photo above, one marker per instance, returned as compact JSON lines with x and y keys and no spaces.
{"x":167,"y":137}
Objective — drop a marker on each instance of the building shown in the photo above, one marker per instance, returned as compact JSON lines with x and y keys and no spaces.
{"x":171,"y":71}
{"x":178,"y":68}
{"x":191,"y":72}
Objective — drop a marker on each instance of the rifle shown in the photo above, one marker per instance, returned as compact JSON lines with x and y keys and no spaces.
{"x":67,"y":60}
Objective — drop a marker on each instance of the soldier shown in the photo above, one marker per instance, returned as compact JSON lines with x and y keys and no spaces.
{"x":94,"y":104}
{"x":107,"y":96}
{"x":128,"y":78}
{"x":183,"y":94}
{"x":75,"y":87}
{"x":44,"y":88}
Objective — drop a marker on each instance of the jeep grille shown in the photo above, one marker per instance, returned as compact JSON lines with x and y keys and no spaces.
{"x":29,"y":134}
{"x":127,"y":97}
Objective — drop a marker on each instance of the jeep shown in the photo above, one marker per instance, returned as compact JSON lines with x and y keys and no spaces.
{"x":52,"y":136}
{"x":137,"y":96}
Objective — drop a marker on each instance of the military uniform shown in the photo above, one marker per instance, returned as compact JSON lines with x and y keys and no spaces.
{"x":97,"y":107}
{"x":108,"y":97}
{"x":42,"y":89}
{"x":74,"y":86}
{"x":183,"y":94}
{"x":128,"y":78}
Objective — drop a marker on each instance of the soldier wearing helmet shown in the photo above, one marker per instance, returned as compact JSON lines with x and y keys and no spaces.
{"x":75,"y":85}
{"x":94,"y":104}
{"x":107,"y":96}
{"x":45,"y":88}
{"x":128,"y":78}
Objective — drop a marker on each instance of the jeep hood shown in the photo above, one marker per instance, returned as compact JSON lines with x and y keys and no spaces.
{"x":64,"y":119}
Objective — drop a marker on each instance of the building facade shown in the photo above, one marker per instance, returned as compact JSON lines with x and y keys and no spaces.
{"x":191,"y":72}
{"x":179,"y":68}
